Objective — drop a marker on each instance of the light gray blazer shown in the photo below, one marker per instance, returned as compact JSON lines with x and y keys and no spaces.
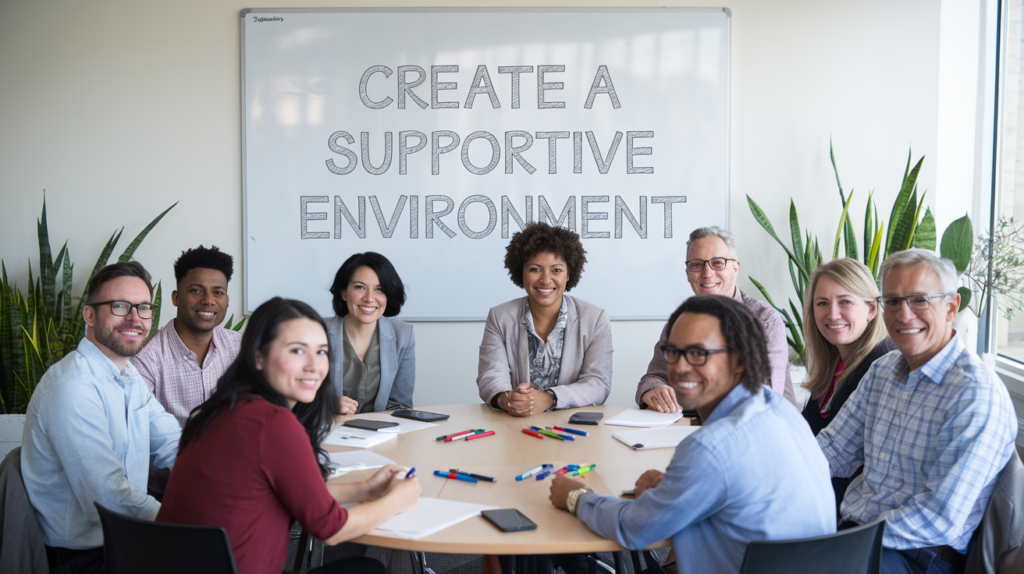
{"x":585,"y":375}
{"x":397,"y":361}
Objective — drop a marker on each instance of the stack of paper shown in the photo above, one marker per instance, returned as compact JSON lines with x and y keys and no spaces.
{"x":343,"y":462}
{"x":430,"y":515}
{"x":643,"y":418}
{"x":655,"y":438}
{"x":358,"y":438}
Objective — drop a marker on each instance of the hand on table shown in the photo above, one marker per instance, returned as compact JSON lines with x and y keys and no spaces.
{"x":560,"y":489}
{"x":378,"y":485}
{"x":525,"y":400}
{"x":649,"y":479}
{"x":348,"y":406}
{"x":661,"y":399}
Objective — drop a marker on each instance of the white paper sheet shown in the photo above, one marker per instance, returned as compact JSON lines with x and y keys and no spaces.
{"x":664,"y":437}
{"x":430,"y":515}
{"x":643,"y":418}
{"x":344,"y":462}
{"x":358,"y":438}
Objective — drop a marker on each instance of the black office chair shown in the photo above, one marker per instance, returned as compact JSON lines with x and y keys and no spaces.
{"x":852,"y":551}
{"x":131,"y":545}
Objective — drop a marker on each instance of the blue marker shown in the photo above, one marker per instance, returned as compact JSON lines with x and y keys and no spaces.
{"x":530,"y":472}
{"x":411,"y":472}
{"x":543,"y":475}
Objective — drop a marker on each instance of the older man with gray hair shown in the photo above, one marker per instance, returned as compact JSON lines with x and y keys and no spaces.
{"x":931,"y":423}
{"x":711,"y":269}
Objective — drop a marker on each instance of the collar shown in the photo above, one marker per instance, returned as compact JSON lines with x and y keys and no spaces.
{"x":527,"y":318}
{"x":737,"y":294}
{"x":180,"y":346}
{"x":100,"y":363}
{"x":936,"y":369}
{"x":737,"y":395}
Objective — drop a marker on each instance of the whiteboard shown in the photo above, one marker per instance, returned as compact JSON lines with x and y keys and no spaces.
{"x":611,"y":122}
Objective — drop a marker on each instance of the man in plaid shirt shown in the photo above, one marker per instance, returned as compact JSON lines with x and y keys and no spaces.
{"x":931,"y":423}
{"x":183,"y":362}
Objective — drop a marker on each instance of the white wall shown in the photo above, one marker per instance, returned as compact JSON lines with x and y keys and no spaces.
{"x":119,"y":108}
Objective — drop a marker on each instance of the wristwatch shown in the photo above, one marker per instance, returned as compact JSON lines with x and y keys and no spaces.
{"x":573,"y":497}
{"x":554,"y":399}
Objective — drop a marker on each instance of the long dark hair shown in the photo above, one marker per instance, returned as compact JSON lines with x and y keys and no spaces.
{"x":243,"y":377}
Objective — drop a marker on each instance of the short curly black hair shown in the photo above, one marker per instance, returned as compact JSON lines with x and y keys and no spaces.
{"x":205,"y":258}
{"x":741,"y":330}
{"x":539,"y":237}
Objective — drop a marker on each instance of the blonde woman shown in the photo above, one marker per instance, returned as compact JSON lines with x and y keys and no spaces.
{"x":844,"y":338}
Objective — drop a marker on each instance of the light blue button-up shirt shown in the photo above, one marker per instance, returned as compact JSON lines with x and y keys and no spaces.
{"x":752,"y":472}
{"x":88,"y":437}
{"x":932,"y":442}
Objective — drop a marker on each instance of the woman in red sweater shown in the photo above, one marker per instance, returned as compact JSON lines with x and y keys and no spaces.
{"x":250,"y":458}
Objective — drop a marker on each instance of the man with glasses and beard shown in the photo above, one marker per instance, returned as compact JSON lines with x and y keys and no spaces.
{"x":92,"y":425}
{"x":752,"y":472}
{"x":931,"y":423}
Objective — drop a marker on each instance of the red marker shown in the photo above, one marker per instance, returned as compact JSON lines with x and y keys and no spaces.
{"x":531,"y":433}
{"x":563,"y":471}
{"x":483,"y":434}
{"x":452,"y":437}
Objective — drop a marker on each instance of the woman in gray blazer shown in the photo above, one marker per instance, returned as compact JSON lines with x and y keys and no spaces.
{"x":373,"y":355}
{"x":547,"y":350}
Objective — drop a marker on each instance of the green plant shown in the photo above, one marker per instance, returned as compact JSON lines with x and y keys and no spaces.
{"x":39,"y":328}
{"x":1004,"y":278}
{"x":910,"y":230}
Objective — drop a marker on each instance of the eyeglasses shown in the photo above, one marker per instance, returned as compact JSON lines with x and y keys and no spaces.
{"x":124,"y":308}
{"x":716,"y":264}
{"x":917,"y":302}
{"x":696,"y":356}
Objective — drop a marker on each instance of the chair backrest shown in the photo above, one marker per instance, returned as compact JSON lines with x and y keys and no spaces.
{"x":997,"y":545}
{"x":22,"y":547}
{"x":132,"y":545}
{"x":852,"y":551}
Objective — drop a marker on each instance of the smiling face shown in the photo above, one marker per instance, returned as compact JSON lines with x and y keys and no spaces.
{"x":201,"y":299}
{"x":919,"y":334}
{"x":709,"y":281}
{"x":296,"y":364}
{"x":544,"y":277}
{"x":364,"y":296}
{"x":841,"y":316}
{"x":119,"y":337}
{"x":701,"y":388}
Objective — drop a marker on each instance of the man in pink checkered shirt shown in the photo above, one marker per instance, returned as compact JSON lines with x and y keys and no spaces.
{"x":184,"y":360}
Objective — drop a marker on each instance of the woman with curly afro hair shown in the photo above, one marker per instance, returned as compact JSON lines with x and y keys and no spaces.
{"x":546,"y":350}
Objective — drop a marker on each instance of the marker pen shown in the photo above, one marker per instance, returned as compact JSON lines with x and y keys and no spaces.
{"x":530,"y":472}
{"x":573,"y":431}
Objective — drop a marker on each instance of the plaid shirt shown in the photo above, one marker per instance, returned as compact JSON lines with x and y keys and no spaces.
{"x":172,"y":371}
{"x":932,"y":442}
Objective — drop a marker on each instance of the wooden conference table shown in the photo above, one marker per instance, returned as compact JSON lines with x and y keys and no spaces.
{"x":505,"y":455}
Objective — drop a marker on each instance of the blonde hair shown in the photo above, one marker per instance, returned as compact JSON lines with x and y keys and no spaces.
{"x":821,"y":355}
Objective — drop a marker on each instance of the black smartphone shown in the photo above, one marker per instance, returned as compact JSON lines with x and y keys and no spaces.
{"x":422,"y":416}
{"x":585,"y":418}
{"x":509,"y":520}
{"x":369,"y":425}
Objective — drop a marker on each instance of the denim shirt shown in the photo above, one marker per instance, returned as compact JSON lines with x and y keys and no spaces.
{"x":752,"y":472}
{"x":89,"y":434}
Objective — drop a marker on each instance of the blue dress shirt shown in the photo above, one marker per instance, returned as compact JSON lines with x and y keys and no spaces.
{"x":752,"y":472}
{"x":88,"y":437}
{"x":932,"y":442}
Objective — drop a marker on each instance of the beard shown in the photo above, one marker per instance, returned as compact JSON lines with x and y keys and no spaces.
{"x":108,"y":338}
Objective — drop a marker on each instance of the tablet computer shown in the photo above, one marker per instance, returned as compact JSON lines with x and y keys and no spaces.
{"x":422,"y":416}
{"x":366,"y":424}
